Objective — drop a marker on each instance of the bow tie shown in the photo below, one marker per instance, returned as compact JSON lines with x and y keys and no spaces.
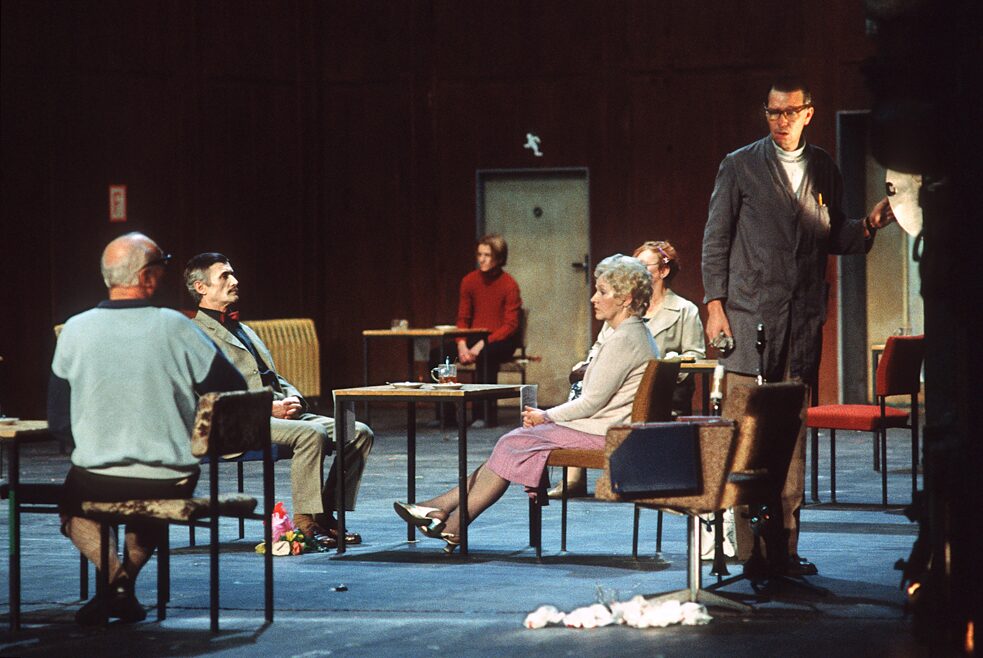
{"x":231,"y":315}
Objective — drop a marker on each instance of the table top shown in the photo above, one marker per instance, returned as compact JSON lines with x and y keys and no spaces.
{"x":22,"y":428}
{"x":700,"y":365}
{"x":467,"y":391}
{"x":422,"y":332}
{"x":878,"y":347}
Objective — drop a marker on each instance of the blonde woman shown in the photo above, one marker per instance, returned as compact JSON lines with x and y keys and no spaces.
{"x":622,"y":295}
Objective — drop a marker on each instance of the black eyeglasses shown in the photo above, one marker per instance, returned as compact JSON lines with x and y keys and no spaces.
{"x":788,"y":112}
{"x":162,"y":260}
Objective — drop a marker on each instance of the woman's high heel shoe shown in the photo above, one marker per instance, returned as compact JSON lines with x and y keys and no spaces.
{"x":417,"y":515}
{"x":452,"y":541}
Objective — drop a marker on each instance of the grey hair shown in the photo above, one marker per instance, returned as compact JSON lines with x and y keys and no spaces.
{"x":125,"y":271}
{"x":627,"y":276}
{"x":197,"y":270}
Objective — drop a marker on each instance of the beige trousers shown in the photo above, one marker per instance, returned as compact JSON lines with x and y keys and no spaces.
{"x":309,"y":436}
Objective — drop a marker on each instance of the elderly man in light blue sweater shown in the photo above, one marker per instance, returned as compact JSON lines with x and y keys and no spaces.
{"x":124,"y":385}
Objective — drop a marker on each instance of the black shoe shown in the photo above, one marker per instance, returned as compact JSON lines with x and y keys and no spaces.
{"x":126,"y":608}
{"x":799,"y":566}
{"x":123,"y":605}
{"x":88,"y":614}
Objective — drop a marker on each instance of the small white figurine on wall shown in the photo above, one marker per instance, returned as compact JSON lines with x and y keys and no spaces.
{"x":532,"y":142}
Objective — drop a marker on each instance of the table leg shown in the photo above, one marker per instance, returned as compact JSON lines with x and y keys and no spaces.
{"x":410,"y":464}
{"x":440,"y":407}
{"x":13,"y":469}
{"x":484,"y":380}
{"x":344,"y":426}
{"x":410,"y":361}
{"x":365,"y":377}
{"x":705,"y":386}
{"x":462,"y":473}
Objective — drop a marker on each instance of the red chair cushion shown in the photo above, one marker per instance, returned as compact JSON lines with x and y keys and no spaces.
{"x":864,"y":417}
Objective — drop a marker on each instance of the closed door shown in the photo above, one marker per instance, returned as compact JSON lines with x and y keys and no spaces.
{"x":544,"y":217}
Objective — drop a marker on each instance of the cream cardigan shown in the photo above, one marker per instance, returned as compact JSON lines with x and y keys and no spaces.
{"x":611,"y":381}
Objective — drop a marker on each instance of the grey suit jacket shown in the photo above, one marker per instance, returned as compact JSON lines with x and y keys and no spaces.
{"x":243,"y":359}
{"x":764,"y":254}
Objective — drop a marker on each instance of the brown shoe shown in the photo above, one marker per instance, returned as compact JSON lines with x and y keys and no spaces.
{"x":307,"y":525}
{"x":328,"y":521}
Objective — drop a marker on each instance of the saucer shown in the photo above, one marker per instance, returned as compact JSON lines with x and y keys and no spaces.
{"x":406,"y":384}
{"x":445,"y":327}
{"x":452,"y":386}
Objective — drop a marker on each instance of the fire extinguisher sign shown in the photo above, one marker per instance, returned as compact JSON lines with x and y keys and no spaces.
{"x":117,"y":203}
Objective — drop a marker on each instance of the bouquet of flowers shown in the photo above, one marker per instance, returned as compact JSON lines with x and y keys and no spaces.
{"x":287,"y":539}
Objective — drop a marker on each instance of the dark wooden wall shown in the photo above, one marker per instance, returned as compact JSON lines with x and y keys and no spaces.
{"x":330,"y":148}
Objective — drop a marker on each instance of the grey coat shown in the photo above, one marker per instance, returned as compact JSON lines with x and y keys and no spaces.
{"x":765,"y":252}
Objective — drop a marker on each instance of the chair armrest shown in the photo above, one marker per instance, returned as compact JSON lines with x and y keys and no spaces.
{"x":717,"y":442}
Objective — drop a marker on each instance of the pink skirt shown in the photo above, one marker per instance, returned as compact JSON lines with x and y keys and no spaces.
{"x":520,"y":456}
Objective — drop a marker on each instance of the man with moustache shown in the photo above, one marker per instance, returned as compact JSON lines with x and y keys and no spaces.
{"x":212,"y":283}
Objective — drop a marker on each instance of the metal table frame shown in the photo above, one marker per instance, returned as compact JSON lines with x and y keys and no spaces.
{"x":410,"y":335}
{"x":346,"y":399}
{"x":12,"y":436}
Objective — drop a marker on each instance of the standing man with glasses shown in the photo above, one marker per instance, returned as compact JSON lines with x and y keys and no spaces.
{"x":775,"y":215}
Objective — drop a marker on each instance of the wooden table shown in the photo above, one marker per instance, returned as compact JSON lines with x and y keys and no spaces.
{"x":346,"y":398}
{"x":410,"y":335}
{"x":704,"y":368}
{"x":12,"y":435}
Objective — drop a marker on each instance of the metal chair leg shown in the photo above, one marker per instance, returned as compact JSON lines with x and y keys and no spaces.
{"x":658,"y":534}
{"x":563,"y":512}
{"x":634,"y":533}
{"x":164,"y":573}
{"x":832,"y":465}
{"x":239,"y":482}
{"x":914,"y":447}
{"x":815,"y":465}
{"x":884,"y":466}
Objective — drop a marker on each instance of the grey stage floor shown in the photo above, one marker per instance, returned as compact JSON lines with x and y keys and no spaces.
{"x":403,"y":599}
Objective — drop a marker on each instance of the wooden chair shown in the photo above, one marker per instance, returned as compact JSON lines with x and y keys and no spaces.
{"x":653,"y":402}
{"x":898,"y":373}
{"x":741,"y":465}
{"x":225,"y":423}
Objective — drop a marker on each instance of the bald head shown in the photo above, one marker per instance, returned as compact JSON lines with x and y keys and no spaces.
{"x":125,"y":257}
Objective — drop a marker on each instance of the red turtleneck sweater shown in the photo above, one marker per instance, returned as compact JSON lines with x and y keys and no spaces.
{"x":490,"y":301}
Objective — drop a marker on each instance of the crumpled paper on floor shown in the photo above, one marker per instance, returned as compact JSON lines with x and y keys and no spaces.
{"x":637,"y":612}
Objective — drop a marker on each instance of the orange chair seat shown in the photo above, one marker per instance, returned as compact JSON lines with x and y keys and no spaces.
{"x":863,"y":417}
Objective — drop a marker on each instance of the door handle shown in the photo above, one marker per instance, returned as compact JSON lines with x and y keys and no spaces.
{"x":585,"y":266}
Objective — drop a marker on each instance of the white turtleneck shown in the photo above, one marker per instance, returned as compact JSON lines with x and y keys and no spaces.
{"x":794,"y":164}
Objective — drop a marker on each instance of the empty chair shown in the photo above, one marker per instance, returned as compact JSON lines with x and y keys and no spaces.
{"x":897,"y":374}
{"x":742,"y":465}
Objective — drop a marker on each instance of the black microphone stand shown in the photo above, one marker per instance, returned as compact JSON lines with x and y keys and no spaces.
{"x":719,"y":568}
{"x":767,"y":574}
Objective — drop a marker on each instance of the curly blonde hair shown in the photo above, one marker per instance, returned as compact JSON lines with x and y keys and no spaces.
{"x":627,"y":277}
